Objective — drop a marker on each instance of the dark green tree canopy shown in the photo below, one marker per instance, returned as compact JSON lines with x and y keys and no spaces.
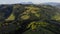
{"x":30,"y":17}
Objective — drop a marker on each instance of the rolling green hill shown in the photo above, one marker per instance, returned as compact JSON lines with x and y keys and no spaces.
{"x":30,"y":18}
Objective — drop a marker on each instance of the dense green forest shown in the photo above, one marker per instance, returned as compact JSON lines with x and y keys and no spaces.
{"x":29,"y":19}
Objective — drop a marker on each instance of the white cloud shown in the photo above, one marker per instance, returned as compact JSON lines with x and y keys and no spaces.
{"x":33,"y":1}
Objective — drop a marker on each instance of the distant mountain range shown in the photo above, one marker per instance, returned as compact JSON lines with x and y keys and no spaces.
{"x":52,"y":3}
{"x":47,"y":3}
{"x":26,"y":2}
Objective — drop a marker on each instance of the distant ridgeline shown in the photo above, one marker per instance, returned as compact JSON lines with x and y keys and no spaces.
{"x":29,"y":18}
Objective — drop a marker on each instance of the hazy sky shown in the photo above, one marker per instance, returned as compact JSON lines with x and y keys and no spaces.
{"x":33,"y":1}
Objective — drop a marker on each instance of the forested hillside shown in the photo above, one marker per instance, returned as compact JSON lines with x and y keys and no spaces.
{"x":29,"y":19}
